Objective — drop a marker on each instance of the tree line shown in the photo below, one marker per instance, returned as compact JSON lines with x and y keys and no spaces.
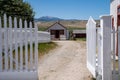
{"x":17,"y":8}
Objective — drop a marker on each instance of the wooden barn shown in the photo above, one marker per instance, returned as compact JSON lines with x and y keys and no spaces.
{"x":115,"y":12}
{"x":79,"y":33}
{"x":58,"y":31}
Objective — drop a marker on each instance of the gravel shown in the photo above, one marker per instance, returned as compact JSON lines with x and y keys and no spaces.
{"x":66,"y":62}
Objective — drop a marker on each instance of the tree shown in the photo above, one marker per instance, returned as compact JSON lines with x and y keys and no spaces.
{"x":17,"y":8}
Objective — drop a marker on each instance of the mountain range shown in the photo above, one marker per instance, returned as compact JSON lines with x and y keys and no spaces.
{"x":49,"y":18}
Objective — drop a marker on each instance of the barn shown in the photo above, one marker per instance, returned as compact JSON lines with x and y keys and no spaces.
{"x":58,"y":31}
{"x":79,"y":33}
{"x":115,"y":12}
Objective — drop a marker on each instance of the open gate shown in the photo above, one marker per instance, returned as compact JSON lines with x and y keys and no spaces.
{"x":99,"y":48}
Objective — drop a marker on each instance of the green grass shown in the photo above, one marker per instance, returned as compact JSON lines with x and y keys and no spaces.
{"x":42,"y":28}
{"x":80,"y":39}
{"x":44,"y":48}
{"x":75,"y":28}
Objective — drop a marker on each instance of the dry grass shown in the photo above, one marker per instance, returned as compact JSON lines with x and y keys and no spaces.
{"x":67,"y":23}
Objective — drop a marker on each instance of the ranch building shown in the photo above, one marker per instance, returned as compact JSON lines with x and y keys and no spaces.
{"x":115,"y":13}
{"x":58,"y":31}
{"x":79,"y":33}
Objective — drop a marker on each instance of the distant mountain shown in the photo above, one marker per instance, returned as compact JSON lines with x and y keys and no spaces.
{"x":48,"y":18}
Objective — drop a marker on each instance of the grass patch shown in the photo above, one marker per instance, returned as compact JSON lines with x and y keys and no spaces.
{"x":93,"y":79}
{"x":80,"y":39}
{"x":44,"y":48}
{"x":75,"y":28}
{"x":42,"y":28}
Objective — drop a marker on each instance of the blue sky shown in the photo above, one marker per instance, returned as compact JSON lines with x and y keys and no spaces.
{"x":70,"y":9}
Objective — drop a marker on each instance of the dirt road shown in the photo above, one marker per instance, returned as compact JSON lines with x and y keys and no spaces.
{"x":66,"y":62}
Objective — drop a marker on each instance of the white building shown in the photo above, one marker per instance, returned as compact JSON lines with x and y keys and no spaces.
{"x":58,"y":31}
{"x":115,"y":12}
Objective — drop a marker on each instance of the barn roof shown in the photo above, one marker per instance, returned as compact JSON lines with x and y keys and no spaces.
{"x":57,"y":23}
{"x":79,"y":31}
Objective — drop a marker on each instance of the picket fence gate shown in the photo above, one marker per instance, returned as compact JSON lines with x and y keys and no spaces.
{"x":101,"y":49}
{"x":18,"y":52}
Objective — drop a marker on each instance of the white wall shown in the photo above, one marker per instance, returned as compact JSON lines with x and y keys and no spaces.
{"x":113,"y":10}
{"x":43,"y":37}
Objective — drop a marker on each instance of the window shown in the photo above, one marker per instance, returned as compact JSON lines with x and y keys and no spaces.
{"x":118,"y":9}
{"x":52,"y":32}
{"x":61,"y":32}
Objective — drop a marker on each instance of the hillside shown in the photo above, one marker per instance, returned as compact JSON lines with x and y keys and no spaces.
{"x":69,"y":24}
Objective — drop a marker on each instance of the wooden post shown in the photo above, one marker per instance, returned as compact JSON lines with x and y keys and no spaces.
{"x":21,"y":45}
{"x":16,"y":43}
{"x":119,"y":48}
{"x":31,"y":47}
{"x":114,"y":55}
{"x":26,"y":45}
{"x":91,"y":51}
{"x":106,"y":25}
{"x":36,"y":47}
{"x":1,"y":61}
{"x":11,"y":43}
{"x":5,"y":42}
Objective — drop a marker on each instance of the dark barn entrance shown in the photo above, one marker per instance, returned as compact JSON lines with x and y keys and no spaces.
{"x":57,"y":34}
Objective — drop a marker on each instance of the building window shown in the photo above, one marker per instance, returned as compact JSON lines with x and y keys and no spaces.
{"x":112,"y":22}
{"x":118,"y":10}
{"x":52,"y":32}
{"x":118,"y":15}
{"x":61,"y":32}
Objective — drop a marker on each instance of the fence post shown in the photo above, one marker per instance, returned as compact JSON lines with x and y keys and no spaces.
{"x":91,"y":51}
{"x":21,"y":45}
{"x":26,"y":45}
{"x":5,"y":42}
{"x":16,"y":43}
{"x":1,"y":46}
{"x":36,"y":47}
{"x":106,"y":26}
{"x":119,"y":48}
{"x":31,"y":47}
{"x":11,"y":43}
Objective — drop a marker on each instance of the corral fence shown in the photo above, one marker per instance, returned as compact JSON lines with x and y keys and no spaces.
{"x":101,"y":49}
{"x":18,"y":50}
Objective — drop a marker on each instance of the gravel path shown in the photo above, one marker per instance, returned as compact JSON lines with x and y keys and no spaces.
{"x":66,"y":62}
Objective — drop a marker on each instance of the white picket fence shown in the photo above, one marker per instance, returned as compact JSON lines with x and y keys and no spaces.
{"x":18,"y":52}
{"x":101,"y":57}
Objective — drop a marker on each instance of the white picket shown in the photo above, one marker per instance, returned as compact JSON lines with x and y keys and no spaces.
{"x":36,"y":47}
{"x":11,"y":43}
{"x":119,"y":49}
{"x":91,"y":40}
{"x":5,"y":42}
{"x":16,"y":43}
{"x":31,"y":46}
{"x":26,"y":46}
{"x":21,"y":45}
{"x":1,"y":61}
{"x":99,"y":51}
{"x":106,"y":47}
{"x":114,"y":56}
